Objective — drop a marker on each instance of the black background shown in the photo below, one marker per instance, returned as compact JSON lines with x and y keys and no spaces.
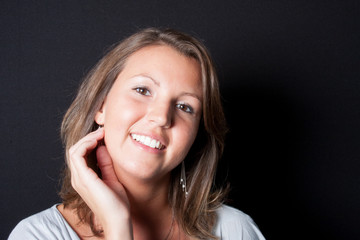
{"x":289,"y":74}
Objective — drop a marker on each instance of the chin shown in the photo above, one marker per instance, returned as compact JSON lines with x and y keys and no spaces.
{"x":139,"y":171}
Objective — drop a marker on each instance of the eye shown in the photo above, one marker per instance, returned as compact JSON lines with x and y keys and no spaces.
{"x":143,"y":91}
{"x":184,"y":107}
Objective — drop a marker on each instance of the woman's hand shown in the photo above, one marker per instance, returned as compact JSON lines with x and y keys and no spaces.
{"x":106,"y":197}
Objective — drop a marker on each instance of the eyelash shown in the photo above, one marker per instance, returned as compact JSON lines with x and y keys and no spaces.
{"x":141,"y":91}
{"x":184,"y":107}
{"x":181,"y":106}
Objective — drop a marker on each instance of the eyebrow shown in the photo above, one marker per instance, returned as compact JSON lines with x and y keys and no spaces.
{"x":146,"y":76}
{"x":191,"y":95}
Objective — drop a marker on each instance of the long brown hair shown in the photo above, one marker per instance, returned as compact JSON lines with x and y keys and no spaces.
{"x":195,"y":213}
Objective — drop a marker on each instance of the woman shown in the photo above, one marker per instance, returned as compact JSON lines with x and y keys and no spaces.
{"x":150,"y":107}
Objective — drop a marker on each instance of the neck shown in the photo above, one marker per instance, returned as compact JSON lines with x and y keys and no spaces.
{"x":147,"y":193}
{"x":150,"y":211}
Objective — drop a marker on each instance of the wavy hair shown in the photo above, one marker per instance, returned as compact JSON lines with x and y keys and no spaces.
{"x":196,"y":213}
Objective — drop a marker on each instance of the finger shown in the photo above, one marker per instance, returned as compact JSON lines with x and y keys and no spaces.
{"x":77,"y":160}
{"x":77,"y":157}
{"x":82,"y":149}
{"x":84,"y":146}
{"x":96,"y":135}
{"x":105,"y":164}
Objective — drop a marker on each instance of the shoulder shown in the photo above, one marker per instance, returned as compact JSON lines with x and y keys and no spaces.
{"x":235,"y":224}
{"x":48,"y":224}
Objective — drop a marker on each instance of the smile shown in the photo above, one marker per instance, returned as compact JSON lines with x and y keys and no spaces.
{"x":147,"y":141}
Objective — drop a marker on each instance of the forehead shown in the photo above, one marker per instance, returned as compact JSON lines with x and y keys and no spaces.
{"x":164,"y":64}
{"x":162,"y":51}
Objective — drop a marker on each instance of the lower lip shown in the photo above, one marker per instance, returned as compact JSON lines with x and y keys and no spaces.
{"x":147,"y":148}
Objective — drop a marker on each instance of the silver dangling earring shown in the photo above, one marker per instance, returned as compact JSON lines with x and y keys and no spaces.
{"x":183,"y":179}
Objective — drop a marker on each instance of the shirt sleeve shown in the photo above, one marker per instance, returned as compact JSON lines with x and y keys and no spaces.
{"x":235,"y":225}
{"x":46,"y":225}
{"x":26,"y":230}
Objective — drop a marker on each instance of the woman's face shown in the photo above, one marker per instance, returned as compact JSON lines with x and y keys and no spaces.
{"x":152,"y":113}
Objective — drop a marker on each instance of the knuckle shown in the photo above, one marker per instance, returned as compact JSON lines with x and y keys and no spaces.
{"x":73,"y":183}
{"x":71,"y":150}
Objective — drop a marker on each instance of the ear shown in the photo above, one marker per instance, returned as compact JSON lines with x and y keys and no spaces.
{"x":100,"y":115}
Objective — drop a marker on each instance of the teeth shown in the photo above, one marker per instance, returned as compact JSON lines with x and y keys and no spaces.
{"x":153,"y":143}
{"x":147,"y":141}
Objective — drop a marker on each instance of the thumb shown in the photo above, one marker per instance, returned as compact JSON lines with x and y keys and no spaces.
{"x":105,"y":164}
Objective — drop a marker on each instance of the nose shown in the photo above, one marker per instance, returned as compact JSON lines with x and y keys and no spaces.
{"x":160,"y":114}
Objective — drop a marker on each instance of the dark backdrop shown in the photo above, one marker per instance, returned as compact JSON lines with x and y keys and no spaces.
{"x":289,"y":74}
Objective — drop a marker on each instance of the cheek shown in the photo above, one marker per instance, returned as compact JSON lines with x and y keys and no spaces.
{"x":186,"y":136}
{"x":119,"y":119}
{"x":123,"y":114}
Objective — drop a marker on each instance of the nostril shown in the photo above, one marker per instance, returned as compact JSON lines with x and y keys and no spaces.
{"x":161,"y":116}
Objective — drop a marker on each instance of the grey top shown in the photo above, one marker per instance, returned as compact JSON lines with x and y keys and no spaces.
{"x":50,"y":225}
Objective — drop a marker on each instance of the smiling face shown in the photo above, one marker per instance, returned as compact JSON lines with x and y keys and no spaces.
{"x":152,"y":112}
